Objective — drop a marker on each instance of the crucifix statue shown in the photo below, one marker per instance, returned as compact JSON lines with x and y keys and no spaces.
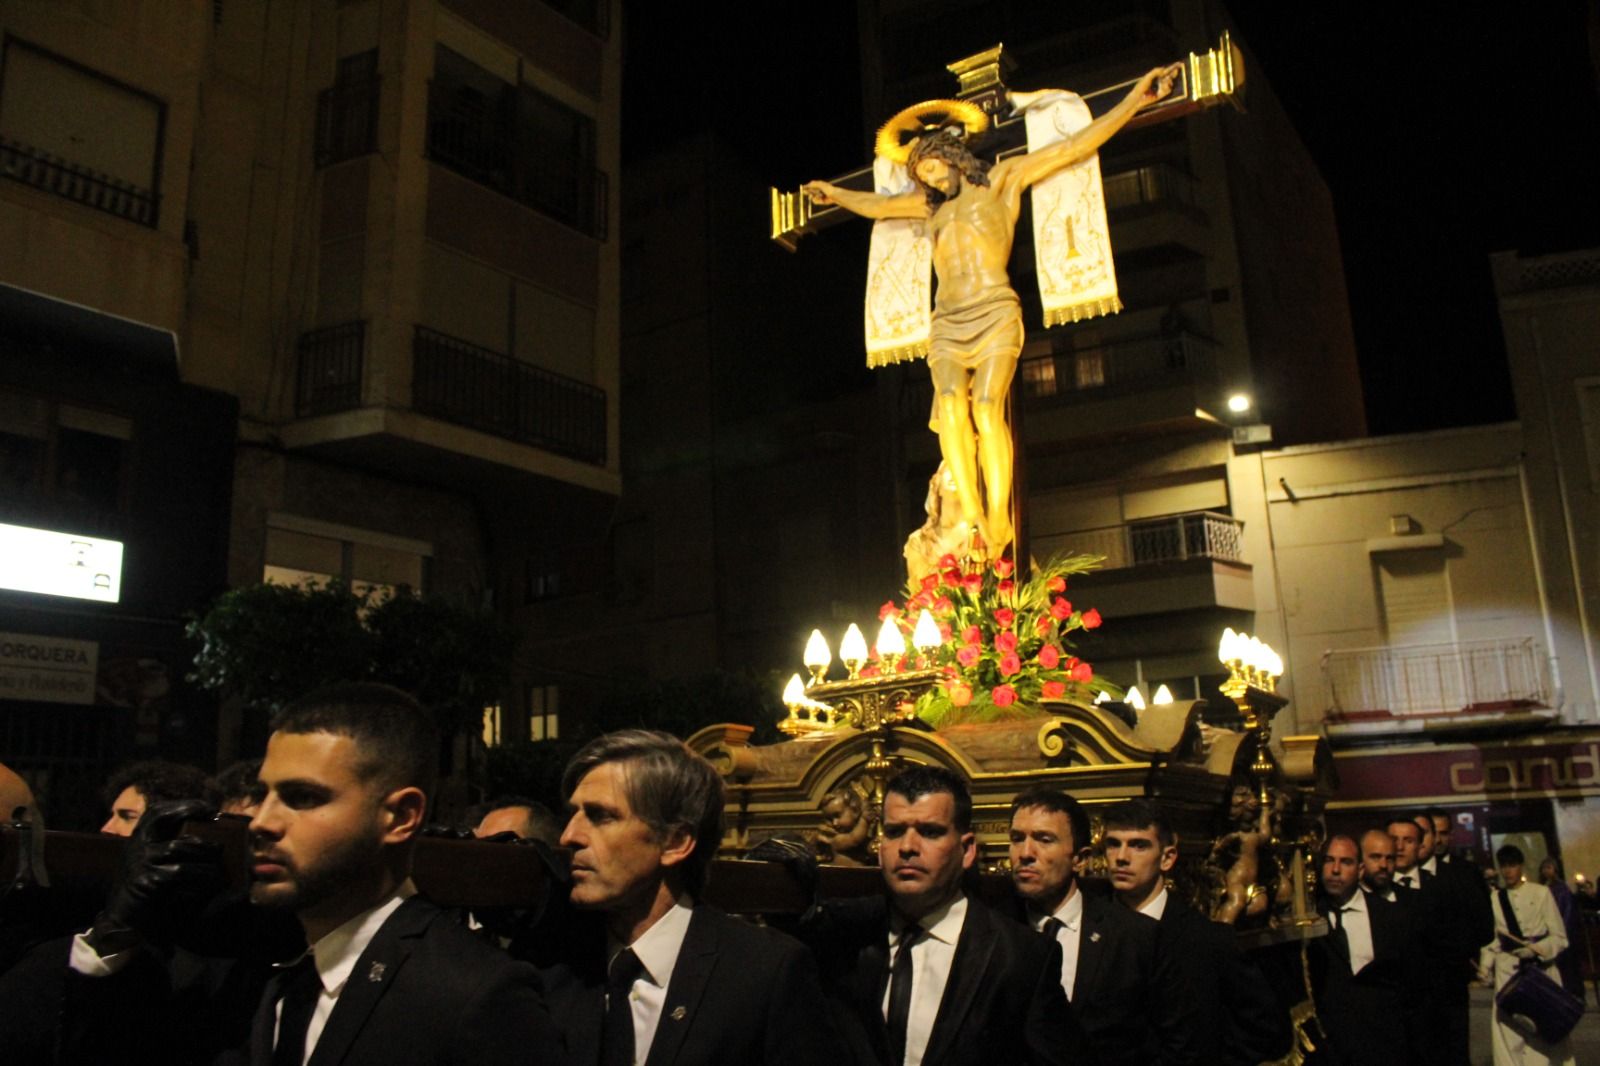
{"x":941,"y":209}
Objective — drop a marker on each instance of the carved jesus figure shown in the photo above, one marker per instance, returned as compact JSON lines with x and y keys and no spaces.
{"x":971,"y":209}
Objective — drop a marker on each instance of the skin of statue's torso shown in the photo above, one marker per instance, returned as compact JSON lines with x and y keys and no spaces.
{"x":972,"y":234}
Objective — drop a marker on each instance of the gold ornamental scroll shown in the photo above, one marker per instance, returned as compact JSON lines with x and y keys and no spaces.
{"x":1071,"y":238}
{"x":899,"y":277}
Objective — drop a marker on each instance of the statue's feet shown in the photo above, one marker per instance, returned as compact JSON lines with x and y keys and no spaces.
{"x":998,"y":538}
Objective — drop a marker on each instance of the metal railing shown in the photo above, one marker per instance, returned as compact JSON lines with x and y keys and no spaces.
{"x":1119,"y":362}
{"x":328,"y":374}
{"x":1155,"y":184}
{"x":31,"y":166}
{"x":490,"y":391}
{"x":1173,"y":538}
{"x":1434,"y":679}
{"x":476,"y":143}
{"x":347,"y":121}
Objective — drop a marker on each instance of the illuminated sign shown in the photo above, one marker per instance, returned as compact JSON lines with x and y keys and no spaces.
{"x":60,"y":564}
{"x":47,"y":669}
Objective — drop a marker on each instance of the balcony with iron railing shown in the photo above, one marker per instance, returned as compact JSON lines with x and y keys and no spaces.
{"x":1148,"y":186}
{"x":328,"y":370}
{"x":476,"y":143}
{"x":490,"y":391}
{"x":1432,"y":687}
{"x":1058,"y":376}
{"x":72,"y":181}
{"x":1172,"y":538}
{"x":347,"y":121}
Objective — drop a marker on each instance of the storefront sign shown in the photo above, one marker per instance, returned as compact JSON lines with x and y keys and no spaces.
{"x":60,"y":564}
{"x":47,"y":669}
{"x":1551,"y":766}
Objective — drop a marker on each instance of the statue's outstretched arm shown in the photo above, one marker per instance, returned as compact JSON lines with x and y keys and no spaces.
{"x":868,"y":204}
{"x":1036,"y":166}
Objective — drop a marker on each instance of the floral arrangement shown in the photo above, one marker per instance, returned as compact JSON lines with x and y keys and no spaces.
{"x":1005,"y":641}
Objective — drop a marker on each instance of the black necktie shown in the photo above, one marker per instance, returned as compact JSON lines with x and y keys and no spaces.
{"x":900,"y":994}
{"x":1405,"y":879}
{"x":1052,"y":928}
{"x":301,"y":987}
{"x":616,"y":1047}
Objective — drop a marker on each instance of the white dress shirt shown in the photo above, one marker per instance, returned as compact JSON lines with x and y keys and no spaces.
{"x":1356,"y":921}
{"x":1432,"y":866}
{"x":931,"y":956}
{"x":1070,"y":915}
{"x":657,"y":948}
{"x":336,"y":954}
{"x":1156,"y":906}
{"x":1411,"y":879}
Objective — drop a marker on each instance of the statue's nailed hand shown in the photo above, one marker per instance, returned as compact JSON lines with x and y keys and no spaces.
{"x":820,"y":192}
{"x":1158,"y":83}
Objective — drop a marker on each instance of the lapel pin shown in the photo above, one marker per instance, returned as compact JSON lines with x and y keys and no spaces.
{"x":679,"y":1014}
{"x":1094,"y":938}
{"x":376,"y":973}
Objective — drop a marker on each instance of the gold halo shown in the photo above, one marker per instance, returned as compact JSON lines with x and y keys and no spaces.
{"x":915,"y":120}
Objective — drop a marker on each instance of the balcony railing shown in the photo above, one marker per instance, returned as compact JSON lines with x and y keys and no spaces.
{"x":1174,"y":538}
{"x":1436,"y":679}
{"x":489,"y":391}
{"x":1120,"y":362}
{"x":475,"y":143}
{"x":347,"y":121}
{"x":1159,"y":183}
{"x":328,"y":376}
{"x":24,"y":163}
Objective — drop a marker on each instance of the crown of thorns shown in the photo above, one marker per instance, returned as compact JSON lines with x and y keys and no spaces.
{"x":897,"y":136}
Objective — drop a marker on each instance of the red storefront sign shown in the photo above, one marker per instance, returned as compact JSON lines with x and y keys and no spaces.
{"x":1567,"y":765}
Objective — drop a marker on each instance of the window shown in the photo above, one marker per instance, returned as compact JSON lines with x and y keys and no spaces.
{"x":302,"y":550}
{"x":491,"y":726}
{"x":516,"y":140}
{"x":544,"y":710}
{"x":347,"y":113}
{"x":72,"y":132}
{"x":62,"y":465}
{"x":1039,"y":376}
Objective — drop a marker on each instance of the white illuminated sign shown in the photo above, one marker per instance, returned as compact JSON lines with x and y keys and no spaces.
{"x":60,"y":564}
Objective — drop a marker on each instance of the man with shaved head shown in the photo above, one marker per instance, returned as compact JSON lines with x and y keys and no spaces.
{"x":16,"y":798}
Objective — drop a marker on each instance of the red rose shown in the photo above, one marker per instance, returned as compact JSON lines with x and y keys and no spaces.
{"x":942,"y":605}
{"x":950,"y":673}
{"x":1049,"y":657}
{"x":1042,"y":625}
{"x":930,"y":582}
{"x":1003,"y":695}
{"x":918,"y":602}
{"x":1090,"y":619}
{"x":888,"y":610}
{"x":1005,"y":586}
{"x":1072,"y":661}
{"x":952,"y":578}
{"x":1004,"y":616}
{"x":1060,"y":609}
{"x":1010,"y":664}
{"x":973,"y":583}
{"x":948,"y":562}
{"x":1056,"y":584}
{"x":1053,"y":690}
{"x":870,"y":671}
{"x":1003,"y":567}
{"x":1082,"y":672}
{"x":1005,"y":640}
{"x":972,"y":635}
{"x":968,"y":655}
{"x":960,"y":694}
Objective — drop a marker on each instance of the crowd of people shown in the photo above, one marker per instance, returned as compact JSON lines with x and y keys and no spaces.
{"x":330,"y":954}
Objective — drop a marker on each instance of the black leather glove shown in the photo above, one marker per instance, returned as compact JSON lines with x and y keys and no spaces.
{"x":166,"y":880}
{"x":444,"y":832}
{"x":795,"y":855}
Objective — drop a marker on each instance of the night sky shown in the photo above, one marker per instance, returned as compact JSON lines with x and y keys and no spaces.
{"x":1445,"y":131}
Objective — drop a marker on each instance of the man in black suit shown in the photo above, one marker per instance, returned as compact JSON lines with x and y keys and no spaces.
{"x":653,"y":977}
{"x":925,"y":976}
{"x":1362,"y":971}
{"x":1239,"y":1016}
{"x":1119,"y":985}
{"x":388,"y":976}
{"x":1463,"y":924}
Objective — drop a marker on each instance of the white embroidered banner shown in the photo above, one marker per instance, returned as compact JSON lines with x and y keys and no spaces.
{"x":1071,"y":239}
{"x":899,"y":277}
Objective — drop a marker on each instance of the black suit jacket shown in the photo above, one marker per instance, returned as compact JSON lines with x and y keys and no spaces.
{"x":426,"y":992}
{"x":1002,"y":1001}
{"x":1233,"y":1012}
{"x":739,"y":995}
{"x":1126,"y":992}
{"x":1368,"y":1016}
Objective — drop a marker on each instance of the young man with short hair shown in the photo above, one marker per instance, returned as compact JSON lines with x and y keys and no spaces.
{"x":657,"y":975}
{"x":1114,"y":975}
{"x":925,"y":974}
{"x":1239,"y":1016}
{"x":141,"y":785}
